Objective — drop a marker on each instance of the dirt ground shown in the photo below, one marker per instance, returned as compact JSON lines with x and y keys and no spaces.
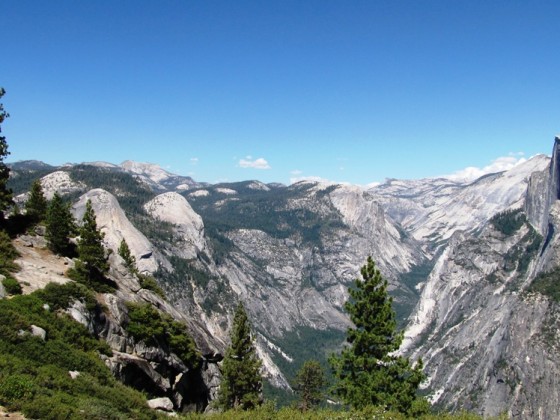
{"x":38,"y":267}
{"x":13,"y":416}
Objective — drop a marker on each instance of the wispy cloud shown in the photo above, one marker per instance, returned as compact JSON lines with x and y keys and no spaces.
{"x":500,"y":164}
{"x":296,"y":172}
{"x":259,"y":163}
{"x":193,"y":160}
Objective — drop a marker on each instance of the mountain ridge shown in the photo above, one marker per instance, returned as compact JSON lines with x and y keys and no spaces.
{"x":289,"y":253}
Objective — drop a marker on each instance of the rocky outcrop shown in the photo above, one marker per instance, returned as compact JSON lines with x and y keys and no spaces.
{"x":112,"y":221}
{"x":153,"y":369}
{"x":60,"y":182}
{"x":488,"y":345}
{"x":188,"y":226}
{"x":482,"y":339}
{"x":432,"y":210}
{"x":39,"y":267}
{"x":158,"y":178}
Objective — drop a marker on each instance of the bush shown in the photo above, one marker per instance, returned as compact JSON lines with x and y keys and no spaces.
{"x":12,"y":286}
{"x":15,"y":387}
{"x":149,"y":283}
{"x":59,"y":296}
{"x":34,"y":373}
{"x":148,"y":325}
{"x":92,"y":279}
{"x":509,"y":221}
{"x":7,"y":254}
{"x":547,"y":284}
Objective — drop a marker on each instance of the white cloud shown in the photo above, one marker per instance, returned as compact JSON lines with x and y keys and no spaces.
{"x":259,"y":163}
{"x":194,"y":160}
{"x":296,"y":172}
{"x":500,"y":164}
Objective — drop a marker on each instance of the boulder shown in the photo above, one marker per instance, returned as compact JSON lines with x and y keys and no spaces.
{"x":38,"y":332}
{"x":163,"y":404}
{"x":73,"y":374}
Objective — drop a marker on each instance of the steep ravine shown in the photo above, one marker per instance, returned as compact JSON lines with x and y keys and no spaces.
{"x":289,"y":253}
{"x":488,"y":343}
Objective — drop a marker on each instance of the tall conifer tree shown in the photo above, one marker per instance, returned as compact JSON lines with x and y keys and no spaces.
{"x":368,"y":370}
{"x":36,"y":204}
{"x":90,"y":246}
{"x":5,"y":193}
{"x":309,"y":384}
{"x":241,"y":386}
{"x":60,"y":225}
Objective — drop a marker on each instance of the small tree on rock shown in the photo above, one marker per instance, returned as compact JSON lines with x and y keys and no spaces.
{"x":368,"y":370}
{"x":59,"y":226}
{"x":36,"y":204}
{"x":309,"y":384}
{"x":241,"y":386}
{"x":90,"y":246}
{"x":126,"y":255}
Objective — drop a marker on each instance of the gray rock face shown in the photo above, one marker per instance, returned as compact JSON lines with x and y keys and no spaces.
{"x":174,"y":208}
{"x":432,"y":210}
{"x":112,"y":221}
{"x":153,"y":369}
{"x":60,"y":182}
{"x":487,"y":344}
{"x":481,"y":338}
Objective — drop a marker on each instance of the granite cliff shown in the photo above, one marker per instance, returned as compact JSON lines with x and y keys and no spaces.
{"x":289,"y":253}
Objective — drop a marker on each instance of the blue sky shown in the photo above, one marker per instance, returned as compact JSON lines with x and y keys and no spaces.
{"x":350,"y":91}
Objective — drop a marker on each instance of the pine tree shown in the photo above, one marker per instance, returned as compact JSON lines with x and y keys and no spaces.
{"x":309,"y":384}
{"x":90,"y":246}
{"x":126,"y":255}
{"x":368,"y":370}
{"x":241,"y":386}
{"x":36,"y":204}
{"x":60,"y":226}
{"x":5,"y":193}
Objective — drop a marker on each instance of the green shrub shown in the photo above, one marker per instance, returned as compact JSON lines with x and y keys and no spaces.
{"x":34,"y":374}
{"x":8,"y":254}
{"x":509,"y":221}
{"x":16,"y":387}
{"x":148,"y":325}
{"x":547,"y":284}
{"x":149,"y":283}
{"x":12,"y":286}
{"x":56,"y":405}
{"x":60,"y":296}
{"x":92,"y":279}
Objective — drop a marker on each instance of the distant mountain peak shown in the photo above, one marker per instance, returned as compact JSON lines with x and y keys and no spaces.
{"x":154,"y":172}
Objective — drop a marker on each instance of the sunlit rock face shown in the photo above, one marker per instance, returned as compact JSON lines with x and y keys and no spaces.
{"x":488,"y":344}
{"x":290,"y":254}
{"x":114,"y":224}
{"x":173,"y":208}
